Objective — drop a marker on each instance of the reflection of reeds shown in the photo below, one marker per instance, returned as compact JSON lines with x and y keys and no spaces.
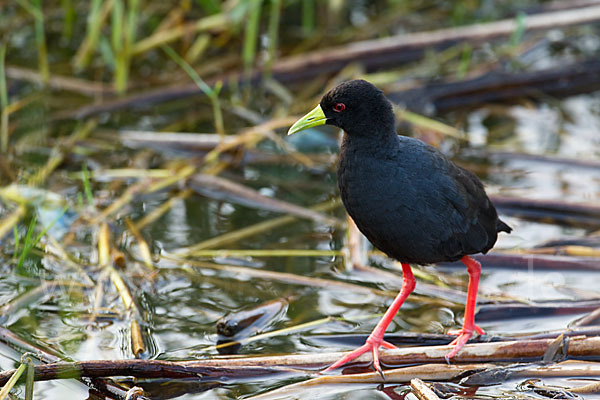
{"x":252,"y":230}
{"x":35,"y":9}
{"x":104,"y":260}
{"x":3,"y":100}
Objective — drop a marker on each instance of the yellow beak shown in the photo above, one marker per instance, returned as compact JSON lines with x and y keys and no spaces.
{"x":314,"y":118}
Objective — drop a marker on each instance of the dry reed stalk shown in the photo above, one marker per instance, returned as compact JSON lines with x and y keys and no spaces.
{"x":213,"y":22}
{"x":589,"y":388}
{"x":252,"y":230}
{"x":265,"y":253}
{"x":421,"y":390}
{"x":48,"y":355}
{"x":223,"y":188}
{"x":355,"y":252}
{"x":58,"y":152}
{"x":104,"y":261}
{"x":592,"y":317}
{"x":57,"y":250}
{"x":497,"y":259}
{"x":182,"y":174}
{"x":399,"y":375}
{"x":278,"y":276}
{"x":155,"y":214}
{"x":57,"y":82}
{"x":509,"y":351}
{"x":569,"y":250}
{"x":122,"y":201}
{"x":143,"y":247}
{"x":7,"y":223}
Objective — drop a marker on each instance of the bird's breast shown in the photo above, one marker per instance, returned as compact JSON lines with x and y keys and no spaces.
{"x":370,"y":185}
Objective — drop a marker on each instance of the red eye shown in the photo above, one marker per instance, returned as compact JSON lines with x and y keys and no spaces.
{"x":339,"y":107}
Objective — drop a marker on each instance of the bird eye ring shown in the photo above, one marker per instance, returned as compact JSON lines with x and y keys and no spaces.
{"x":339,"y":107}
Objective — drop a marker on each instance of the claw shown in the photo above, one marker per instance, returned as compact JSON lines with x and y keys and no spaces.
{"x":349,"y":357}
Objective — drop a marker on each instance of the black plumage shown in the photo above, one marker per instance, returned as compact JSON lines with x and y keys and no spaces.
{"x":406,"y":197}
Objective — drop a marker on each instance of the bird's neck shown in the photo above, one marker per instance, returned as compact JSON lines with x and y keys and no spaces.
{"x":375,"y":142}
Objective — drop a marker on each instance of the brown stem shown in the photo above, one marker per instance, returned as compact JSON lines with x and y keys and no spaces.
{"x":223,"y":368}
{"x":109,"y":389}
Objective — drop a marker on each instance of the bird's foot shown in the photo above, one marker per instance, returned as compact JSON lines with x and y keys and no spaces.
{"x":462,"y":337}
{"x":458,"y":332}
{"x":372,"y":344}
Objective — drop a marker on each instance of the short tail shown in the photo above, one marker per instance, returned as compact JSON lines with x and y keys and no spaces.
{"x":501,"y":226}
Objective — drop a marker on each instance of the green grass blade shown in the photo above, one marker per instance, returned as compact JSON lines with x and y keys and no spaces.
{"x":69,"y":21}
{"x":118,"y":45}
{"x":116,"y":33}
{"x":107,"y":53}
{"x":210,"y":6}
{"x":87,"y":188}
{"x":519,"y":32}
{"x":3,"y":89}
{"x":274,"y":18}
{"x":213,"y":94}
{"x":12,"y":382}
{"x":40,"y":39}
{"x":27,"y":246}
{"x":308,"y":16}
{"x":31,"y":9}
{"x":94,"y":26}
{"x":251,"y":35}
{"x":30,"y":242}
{"x":126,"y":29}
{"x":465,"y":61}
{"x":188,"y":70}
{"x":3,"y":101}
{"x":16,"y":234}
{"x":30,"y":380}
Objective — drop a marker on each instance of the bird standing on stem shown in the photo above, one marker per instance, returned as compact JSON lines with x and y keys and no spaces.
{"x":407,"y":198}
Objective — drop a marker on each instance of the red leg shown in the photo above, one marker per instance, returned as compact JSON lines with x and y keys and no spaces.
{"x":375,"y":339}
{"x":465,"y":333}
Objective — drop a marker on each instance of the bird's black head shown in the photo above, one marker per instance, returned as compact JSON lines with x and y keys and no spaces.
{"x":358,"y":107}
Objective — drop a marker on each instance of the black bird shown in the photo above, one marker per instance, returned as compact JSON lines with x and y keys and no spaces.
{"x":407,"y":198}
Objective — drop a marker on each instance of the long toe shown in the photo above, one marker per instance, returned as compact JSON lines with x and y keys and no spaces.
{"x":458,"y":343}
{"x":371,"y":345}
{"x":349,"y":357}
